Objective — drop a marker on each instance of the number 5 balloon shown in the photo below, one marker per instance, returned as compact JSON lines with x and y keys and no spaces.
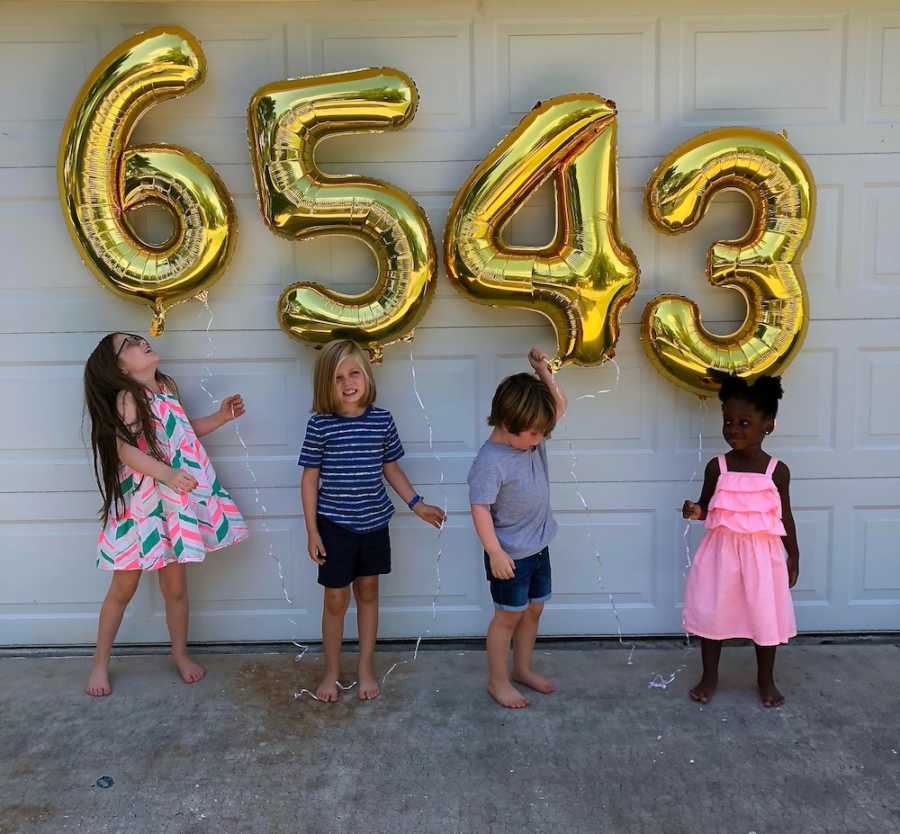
{"x":287,"y":120}
{"x":101,"y":178}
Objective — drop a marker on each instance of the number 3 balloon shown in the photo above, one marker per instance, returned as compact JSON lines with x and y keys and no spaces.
{"x":764,"y":265}
{"x":101,"y":178}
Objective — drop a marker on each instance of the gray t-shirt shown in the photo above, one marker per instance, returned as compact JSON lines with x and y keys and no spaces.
{"x":516,"y":486}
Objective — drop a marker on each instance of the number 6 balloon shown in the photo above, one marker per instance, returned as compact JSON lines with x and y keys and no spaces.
{"x":101,"y":178}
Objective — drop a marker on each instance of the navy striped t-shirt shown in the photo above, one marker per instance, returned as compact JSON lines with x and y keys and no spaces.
{"x":350,"y":453}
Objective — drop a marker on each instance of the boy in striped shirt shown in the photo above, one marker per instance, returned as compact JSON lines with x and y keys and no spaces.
{"x":351,"y":448}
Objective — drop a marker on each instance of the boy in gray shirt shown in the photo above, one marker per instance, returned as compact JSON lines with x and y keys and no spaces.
{"x":509,"y":490}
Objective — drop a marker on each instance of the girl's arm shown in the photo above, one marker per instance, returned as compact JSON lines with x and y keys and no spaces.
{"x":696,"y":511}
{"x":396,"y":477}
{"x":782,"y":478}
{"x":230,"y":409}
{"x":146,"y":464}
{"x":502,"y":566}
{"x":309,"y":500}
{"x":538,"y":361}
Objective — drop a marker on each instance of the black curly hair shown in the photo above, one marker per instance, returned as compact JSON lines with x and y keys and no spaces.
{"x":763,"y":393}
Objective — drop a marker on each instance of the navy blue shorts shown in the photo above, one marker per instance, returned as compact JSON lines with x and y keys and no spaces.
{"x":349,"y":554}
{"x":530,"y":584}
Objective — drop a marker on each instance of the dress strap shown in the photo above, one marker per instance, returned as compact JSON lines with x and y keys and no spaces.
{"x":773,"y":462}
{"x":722,"y":467}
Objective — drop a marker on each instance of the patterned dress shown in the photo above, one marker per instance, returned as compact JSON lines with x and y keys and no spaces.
{"x":160,"y":527}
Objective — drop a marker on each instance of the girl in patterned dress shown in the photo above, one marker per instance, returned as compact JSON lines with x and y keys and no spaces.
{"x":163,"y":505}
{"x":738,"y":584}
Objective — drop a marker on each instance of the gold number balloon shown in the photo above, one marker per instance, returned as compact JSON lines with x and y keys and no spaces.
{"x":101,"y":179}
{"x":764,"y":265}
{"x":584,"y":277}
{"x":287,"y":120}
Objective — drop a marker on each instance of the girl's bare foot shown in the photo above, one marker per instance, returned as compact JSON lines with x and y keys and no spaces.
{"x":507,"y":696}
{"x":190,"y":672}
{"x":368,"y":687}
{"x":327,"y":690}
{"x":98,"y":682}
{"x":534,"y":681}
{"x":770,"y":695}
{"x":702,"y":693}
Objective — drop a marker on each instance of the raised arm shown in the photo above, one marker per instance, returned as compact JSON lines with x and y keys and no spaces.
{"x":538,"y":361}
{"x":230,"y":408}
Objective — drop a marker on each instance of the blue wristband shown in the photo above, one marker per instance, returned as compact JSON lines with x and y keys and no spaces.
{"x":414,"y":500}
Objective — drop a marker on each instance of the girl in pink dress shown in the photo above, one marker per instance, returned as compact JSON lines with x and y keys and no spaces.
{"x":738,"y":584}
{"x":163,"y":506}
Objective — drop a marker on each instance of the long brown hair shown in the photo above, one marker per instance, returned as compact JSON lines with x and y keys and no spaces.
{"x":103,"y":381}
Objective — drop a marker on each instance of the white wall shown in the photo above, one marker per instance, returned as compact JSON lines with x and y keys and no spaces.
{"x":825,"y":71}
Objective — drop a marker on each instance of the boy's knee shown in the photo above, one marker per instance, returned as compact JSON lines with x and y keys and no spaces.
{"x":534,"y":611}
{"x":337,"y":601}
{"x":366,"y":590}
{"x":507,"y":619}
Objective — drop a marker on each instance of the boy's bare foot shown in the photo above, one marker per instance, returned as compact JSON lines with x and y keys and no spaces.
{"x":534,"y":681}
{"x":190,"y":672}
{"x":770,"y":695}
{"x":702,"y":693}
{"x":98,"y":682}
{"x":507,"y":696}
{"x":327,"y":690}
{"x":368,"y":687}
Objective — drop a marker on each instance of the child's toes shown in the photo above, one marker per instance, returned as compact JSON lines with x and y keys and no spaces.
{"x":771,"y":696}
{"x":327,"y":691}
{"x":98,"y":684}
{"x":508,"y":696}
{"x":190,"y":672}
{"x":368,"y":688}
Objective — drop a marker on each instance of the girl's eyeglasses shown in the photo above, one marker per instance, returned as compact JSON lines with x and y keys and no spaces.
{"x":130,"y":339}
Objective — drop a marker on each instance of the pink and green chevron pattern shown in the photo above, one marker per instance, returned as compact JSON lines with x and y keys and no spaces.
{"x":160,"y":526}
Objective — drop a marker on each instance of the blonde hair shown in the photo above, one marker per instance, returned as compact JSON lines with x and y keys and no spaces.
{"x":324,"y":399}
{"x":523,"y":402}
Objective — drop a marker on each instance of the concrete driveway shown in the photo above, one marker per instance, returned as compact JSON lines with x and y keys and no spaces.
{"x":607,"y":753}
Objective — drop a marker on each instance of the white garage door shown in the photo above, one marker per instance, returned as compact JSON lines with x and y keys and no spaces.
{"x":826,"y":72}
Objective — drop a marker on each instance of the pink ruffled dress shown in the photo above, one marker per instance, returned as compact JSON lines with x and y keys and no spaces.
{"x":738,"y":583}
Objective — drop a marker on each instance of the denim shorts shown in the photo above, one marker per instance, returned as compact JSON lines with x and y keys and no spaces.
{"x":530,"y":584}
